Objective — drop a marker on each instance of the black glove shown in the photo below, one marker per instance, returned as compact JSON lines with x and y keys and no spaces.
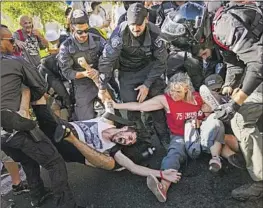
{"x":226,"y":111}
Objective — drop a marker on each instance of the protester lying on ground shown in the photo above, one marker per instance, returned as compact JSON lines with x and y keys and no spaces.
{"x":94,"y":142}
{"x":180,"y":104}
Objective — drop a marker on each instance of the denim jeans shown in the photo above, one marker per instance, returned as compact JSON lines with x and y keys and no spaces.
{"x":211,"y":130}
{"x":176,"y":153}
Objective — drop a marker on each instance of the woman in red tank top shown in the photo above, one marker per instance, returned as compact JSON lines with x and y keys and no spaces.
{"x":180,"y":103}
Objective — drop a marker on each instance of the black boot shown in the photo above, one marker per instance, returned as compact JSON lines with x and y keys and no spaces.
{"x":248,"y":191}
{"x":237,"y":160}
{"x":38,"y":199}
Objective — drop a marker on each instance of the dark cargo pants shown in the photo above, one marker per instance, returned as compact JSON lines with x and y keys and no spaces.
{"x":22,"y":148}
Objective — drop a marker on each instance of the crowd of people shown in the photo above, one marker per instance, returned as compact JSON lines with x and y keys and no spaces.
{"x":196,"y":67}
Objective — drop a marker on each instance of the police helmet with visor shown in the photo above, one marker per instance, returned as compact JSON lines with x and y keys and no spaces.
{"x":185,"y":27}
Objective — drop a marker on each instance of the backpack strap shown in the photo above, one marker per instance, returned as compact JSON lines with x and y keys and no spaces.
{"x":21,"y":36}
{"x":217,"y":16}
{"x":256,"y":28}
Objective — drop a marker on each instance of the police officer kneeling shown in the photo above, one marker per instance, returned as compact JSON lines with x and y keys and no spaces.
{"x":142,"y":60}
{"x":22,"y":139}
{"x":237,"y":29}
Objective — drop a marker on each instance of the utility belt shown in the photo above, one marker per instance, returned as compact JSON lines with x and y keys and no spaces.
{"x":12,"y":123}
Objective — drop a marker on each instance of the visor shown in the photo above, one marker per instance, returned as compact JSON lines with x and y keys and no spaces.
{"x":170,"y":29}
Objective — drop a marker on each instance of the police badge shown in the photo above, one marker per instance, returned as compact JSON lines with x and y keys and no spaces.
{"x":158,"y":42}
{"x":115,"y":41}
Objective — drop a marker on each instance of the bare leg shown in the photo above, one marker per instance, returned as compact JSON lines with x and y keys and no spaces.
{"x":230,"y":147}
{"x":231,"y":142}
{"x":13,"y":169}
{"x":94,"y":157}
{"x":226,"y":151}
{"x":216,"y":149}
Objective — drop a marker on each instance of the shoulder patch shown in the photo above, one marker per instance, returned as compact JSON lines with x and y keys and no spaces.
{"x":158,"y":42}
{"x":115,"y":41}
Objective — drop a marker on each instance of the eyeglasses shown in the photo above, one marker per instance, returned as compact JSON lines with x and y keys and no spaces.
{"x":11,"y":40}
{"x":80,"y":32}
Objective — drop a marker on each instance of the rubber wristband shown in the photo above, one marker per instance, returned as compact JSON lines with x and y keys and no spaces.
{"x":161,"y":174}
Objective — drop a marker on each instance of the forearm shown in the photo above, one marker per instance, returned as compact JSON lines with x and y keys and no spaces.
{"x":131,"y":106}
{"x":134,"y":168}
{"x":240,"y":97}
{"x":253,"y":78}
{"x":44,"y":42}
{"x":143,"y":171}
{"x":96,"y":158}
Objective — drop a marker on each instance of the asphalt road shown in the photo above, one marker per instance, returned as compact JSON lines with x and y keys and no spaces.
{"x":198,"y":188}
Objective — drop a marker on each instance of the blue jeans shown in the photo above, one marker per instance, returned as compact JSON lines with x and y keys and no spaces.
{"x":176,"y":153}
{"x":211,"y":130}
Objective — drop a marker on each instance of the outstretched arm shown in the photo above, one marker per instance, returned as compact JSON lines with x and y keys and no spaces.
{"x":169,"y":175}
{"x":155,"y":103}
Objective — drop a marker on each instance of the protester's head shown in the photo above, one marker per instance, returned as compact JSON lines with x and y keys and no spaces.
{"x":180,"y":88}
{"x":125,"y":135}
{"x":26,"y":23}
{"x":188,"y":27}
{"x":127,"y":4}
{"x":53,"y":37}
{"x":179,"y":3}
{"x":214,"y":82}
{"x":79,"y":25}
{"x":95,"y":6}
{"x":137,"y":19}
{"x":7,"y":41}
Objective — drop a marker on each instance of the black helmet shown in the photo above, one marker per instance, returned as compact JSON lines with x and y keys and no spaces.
{"x":185,"y":26}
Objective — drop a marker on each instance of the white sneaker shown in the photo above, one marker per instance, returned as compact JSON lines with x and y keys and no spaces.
{"x":208,"y":97}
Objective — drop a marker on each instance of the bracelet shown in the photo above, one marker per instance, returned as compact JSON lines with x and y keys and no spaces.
{"x":161,"y":174}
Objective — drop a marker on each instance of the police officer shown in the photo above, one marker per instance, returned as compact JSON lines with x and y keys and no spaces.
{"x":142,"y":59}
{"x":237,"y":30}
{"x":50,"y":70}
{"x":22,"y":146}
{"x":81,"y":43}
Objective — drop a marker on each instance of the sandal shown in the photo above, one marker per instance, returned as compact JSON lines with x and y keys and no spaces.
{"x":215,"y":164}
{"x":157,"y":188}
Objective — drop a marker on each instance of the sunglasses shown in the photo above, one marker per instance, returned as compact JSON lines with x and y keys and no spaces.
{"x":11,"y":40}
{"x":80,"y":32}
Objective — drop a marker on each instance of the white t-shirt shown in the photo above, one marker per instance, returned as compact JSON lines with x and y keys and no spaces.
{"x":90,"y":132}
{"x":95,"y":20}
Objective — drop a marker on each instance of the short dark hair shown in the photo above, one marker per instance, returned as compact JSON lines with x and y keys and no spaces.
{"x":4,"y":26}
{"x":94,"y":4}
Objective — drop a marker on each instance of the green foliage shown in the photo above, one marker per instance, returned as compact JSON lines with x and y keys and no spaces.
{"x":46,"y":10}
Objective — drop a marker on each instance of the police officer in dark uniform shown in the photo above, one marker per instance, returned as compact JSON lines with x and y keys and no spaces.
{"x":142,"y":61}
{"x":21,"y":138}
{"x":81,"y":43}
{"x":237,"y":30}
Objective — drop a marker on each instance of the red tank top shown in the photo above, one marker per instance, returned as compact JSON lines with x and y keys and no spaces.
{"x":180,"y":111}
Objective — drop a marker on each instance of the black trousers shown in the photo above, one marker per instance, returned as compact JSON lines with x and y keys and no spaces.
{"x":128,"y":82}
{"x":22,"y":148}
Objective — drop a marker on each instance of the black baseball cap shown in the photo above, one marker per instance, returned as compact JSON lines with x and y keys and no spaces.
{"x":136,"y":14}
{"x":214,"y":81}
